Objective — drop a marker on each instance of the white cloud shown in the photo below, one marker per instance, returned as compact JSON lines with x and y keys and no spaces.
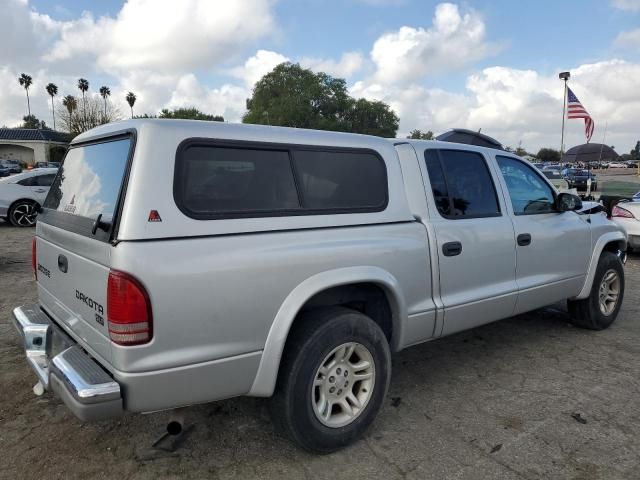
{"x":453,"y":41}
{"x":629,"y":5}
{"x":257,"y":66}
{"x":522,"y":105}
{"x":630,"y":38}
{"x":349,"y":64}
{"x":164,"y":35}
{"x":160,"y":67}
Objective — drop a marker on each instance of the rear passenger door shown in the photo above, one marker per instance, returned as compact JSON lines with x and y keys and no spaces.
{"x":475,"y":239}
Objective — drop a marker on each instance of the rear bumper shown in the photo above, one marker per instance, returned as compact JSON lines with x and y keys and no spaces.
{"x":64,"y":368}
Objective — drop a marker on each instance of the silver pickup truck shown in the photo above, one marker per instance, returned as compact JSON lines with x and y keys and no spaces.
{"x":181,"y":262}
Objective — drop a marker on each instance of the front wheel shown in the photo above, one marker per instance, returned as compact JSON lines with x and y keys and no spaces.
{"x":333,"y":379}
{"x":600,"y":309}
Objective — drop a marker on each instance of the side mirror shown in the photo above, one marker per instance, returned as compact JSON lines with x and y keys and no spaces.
{"x":568,"y":202}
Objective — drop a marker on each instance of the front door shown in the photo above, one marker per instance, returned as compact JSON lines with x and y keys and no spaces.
{"x":475,"y":239}
{"x":552,"y":248}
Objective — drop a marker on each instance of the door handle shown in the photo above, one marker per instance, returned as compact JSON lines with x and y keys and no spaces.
{"x":451,"y":249}
{"x":524,"y":239}
{"x":40,"y":190}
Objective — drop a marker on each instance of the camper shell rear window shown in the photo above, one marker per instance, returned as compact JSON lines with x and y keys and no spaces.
{"x":218,"y":179}
{"x":88,"y":187}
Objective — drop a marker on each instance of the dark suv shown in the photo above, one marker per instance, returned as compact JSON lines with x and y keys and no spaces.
{"x":577,"y":178}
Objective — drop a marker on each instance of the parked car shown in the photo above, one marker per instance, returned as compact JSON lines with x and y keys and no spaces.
{"x":556,"y":179}
{"x":207,"y":260}
{"x":578,"y":179}
{"x":22,"y":195}
{"x":552,"y":166}
{"x":627,"y":215}
{"x":12,"y":165}
{"x":5,"y":171}
{"x":617,"y":165}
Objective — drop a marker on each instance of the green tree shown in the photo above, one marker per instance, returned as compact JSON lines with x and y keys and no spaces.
{"x":25,"y":81}
{"x":31,"y":121}
{"x":370,"y":118}
{"x":83,"y":86}
{"x":521,"y":152}
{"x":293,"y":96}
{"x":419,"y":135}
{"x":69,"y":102}
{"x":189,"y":114}
{"x":52,"y":90}
{"x":131,"y":100}
{"x":548,"y":155}
{"x":77,"y":120}
{"x":635,"y":153}
{"x":105,"y":92}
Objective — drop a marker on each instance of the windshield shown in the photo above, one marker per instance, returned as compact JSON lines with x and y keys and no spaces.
{"x":552,"y":174}
{"x":89,"y":180}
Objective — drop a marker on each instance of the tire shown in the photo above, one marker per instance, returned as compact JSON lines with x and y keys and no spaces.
{"x":317,"y":341}
{"x":23,"y":213}
{"x":590,"y":312}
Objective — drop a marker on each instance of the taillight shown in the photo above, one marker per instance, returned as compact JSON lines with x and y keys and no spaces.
{"x":34,"y":261}
{"x":621,"y":212}
{"x":128,"y":310}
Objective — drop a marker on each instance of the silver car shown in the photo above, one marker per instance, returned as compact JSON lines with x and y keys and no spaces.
{"x":22,"y":195}
{"x":181,"y":262}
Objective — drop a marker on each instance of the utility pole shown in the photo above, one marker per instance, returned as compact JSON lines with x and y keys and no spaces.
{"x":563,"y":76}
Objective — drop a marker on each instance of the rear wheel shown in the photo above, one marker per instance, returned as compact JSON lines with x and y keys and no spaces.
{"x":600,"y":309}
{"x":333,"y":379}
{"x":23,"y":213}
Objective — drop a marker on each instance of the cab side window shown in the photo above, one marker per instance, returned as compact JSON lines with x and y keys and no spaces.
{"x":530,"y":194}
{"x":461,"y":184}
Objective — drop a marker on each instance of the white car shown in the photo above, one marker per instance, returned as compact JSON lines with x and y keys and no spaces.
{"x":627,"y":215}
{"x":21,"y":195}
{"x":617,"y":165}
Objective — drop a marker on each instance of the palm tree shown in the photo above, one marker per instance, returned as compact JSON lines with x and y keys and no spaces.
{"x":70,"y":103}
{"x":26,"y":81}
{"x":104,"y":93}
{"x":83,"y":85}
{"x":131,"y":100}
{"x":52,"y":90}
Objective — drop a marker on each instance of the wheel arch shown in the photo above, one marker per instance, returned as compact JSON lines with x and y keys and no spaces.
{"x":22,"y":199}
{"x":265,"y":380}
{"x":611,"y":242}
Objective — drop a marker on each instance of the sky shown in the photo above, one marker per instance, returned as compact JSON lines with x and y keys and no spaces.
{"x":485,"y":64}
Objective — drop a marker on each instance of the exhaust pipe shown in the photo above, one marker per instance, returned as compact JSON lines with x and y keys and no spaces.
{"x":175,"y":425}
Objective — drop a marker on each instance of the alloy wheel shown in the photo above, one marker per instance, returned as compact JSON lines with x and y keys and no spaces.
{"x":343,"y":385}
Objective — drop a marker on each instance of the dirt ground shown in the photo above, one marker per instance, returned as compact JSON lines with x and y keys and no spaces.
{"x":525,"y":398}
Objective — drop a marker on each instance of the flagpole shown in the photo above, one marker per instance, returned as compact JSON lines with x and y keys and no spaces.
{"x":563,"y":76}
{"x":604,"y":138}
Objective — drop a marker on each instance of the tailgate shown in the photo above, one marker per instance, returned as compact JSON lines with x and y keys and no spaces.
{"x":73,"y":288}
{"x":74,"y":235}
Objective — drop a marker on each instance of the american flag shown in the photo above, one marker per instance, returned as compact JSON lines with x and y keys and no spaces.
{"x":576,"y":110}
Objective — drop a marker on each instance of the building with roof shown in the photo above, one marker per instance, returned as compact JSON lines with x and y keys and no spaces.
{"x":32,"y":145}
{"x":590,"y":152}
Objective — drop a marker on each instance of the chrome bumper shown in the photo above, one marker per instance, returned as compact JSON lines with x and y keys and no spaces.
{"x":64,"y":368}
